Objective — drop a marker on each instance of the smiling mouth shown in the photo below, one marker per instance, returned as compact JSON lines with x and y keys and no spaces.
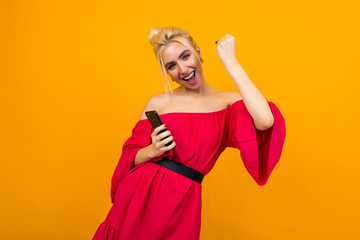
{"x":190,"y":77}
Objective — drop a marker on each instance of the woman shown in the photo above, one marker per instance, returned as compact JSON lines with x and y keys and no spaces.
{"x":156,"y":189}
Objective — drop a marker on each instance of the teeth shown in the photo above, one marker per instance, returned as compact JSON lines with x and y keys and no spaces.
{"x":189,"y":76}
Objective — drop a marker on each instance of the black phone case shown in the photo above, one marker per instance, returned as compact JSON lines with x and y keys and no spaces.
{"x":155,"y":122}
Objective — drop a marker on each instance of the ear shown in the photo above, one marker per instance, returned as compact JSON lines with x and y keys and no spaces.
{"x":198,"y":50}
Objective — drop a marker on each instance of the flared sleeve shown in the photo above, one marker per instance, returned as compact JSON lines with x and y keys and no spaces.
{"x":140,"y":138}
{"x":260,"y":150}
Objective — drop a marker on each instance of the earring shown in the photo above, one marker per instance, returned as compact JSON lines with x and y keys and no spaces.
{"x":201,"y":60}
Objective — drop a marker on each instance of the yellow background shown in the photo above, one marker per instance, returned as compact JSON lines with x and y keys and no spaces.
{"x":75,"y":76}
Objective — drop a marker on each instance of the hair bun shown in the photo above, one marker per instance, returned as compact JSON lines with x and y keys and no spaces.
{"x":153,"y":33}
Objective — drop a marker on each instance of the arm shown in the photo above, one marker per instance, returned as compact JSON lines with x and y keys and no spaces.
{"x":254,"y":100}
{"x":143,"y":155}
{"x":146,"y":154}
{"x":260,"y":151}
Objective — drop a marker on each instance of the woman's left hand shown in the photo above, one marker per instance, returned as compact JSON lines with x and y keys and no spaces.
{"x":226,"y":51}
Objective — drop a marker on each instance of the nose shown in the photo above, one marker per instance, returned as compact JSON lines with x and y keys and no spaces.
{"x":182,"y":69}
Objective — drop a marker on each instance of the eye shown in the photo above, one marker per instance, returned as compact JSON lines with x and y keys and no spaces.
{"x":184,"y":57}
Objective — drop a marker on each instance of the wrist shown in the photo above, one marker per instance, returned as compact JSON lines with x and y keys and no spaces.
{"x":143,"y":155}
{"x":150,"y":152}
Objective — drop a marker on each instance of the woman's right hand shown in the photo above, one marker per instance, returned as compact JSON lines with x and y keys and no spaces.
{"x":158,"y":146}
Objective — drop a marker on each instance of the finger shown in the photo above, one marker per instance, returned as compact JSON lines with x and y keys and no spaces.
{"x":165,"y":140}
{"x":168,"y":147}
{"x":159,"y":128}
{"x":172,"y":145}
{"x":164,"y":134}
{"x":218,"y":42}
{"x":168,"y":139}
{"x":156,"y":131}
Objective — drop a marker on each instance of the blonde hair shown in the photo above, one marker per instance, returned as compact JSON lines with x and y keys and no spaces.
{"x":159,"y":38}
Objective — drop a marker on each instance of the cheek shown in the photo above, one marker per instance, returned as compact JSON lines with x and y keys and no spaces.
{"x":171,"y":73}
{"x":194,"y":61}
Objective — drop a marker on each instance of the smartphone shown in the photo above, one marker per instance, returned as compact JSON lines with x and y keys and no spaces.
{"x":155,"y":122}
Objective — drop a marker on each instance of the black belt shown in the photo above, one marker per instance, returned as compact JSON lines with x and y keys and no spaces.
{"x":180,"y":168}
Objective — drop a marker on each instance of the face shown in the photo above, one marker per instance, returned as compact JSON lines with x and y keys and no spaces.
{"x":180,"y":63}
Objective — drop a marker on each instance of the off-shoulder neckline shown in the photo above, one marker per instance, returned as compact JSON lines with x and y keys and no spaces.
{"x":198,"y":113}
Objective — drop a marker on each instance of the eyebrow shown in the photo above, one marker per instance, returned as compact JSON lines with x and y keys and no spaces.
{"x":183,"y":52}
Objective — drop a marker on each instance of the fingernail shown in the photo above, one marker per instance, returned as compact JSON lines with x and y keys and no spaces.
{"x":216,"y":42}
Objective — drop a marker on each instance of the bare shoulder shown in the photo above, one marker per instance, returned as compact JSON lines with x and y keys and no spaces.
{"x":153,"y":103}
{"x":231,"y":96}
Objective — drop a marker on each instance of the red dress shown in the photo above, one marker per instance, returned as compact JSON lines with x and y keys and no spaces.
{"x":151,"y":202}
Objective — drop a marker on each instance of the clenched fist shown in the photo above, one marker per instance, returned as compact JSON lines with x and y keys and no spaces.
{"x":226,"y":51}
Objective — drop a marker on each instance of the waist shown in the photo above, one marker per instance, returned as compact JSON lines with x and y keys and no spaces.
{"x":181,"y":169}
